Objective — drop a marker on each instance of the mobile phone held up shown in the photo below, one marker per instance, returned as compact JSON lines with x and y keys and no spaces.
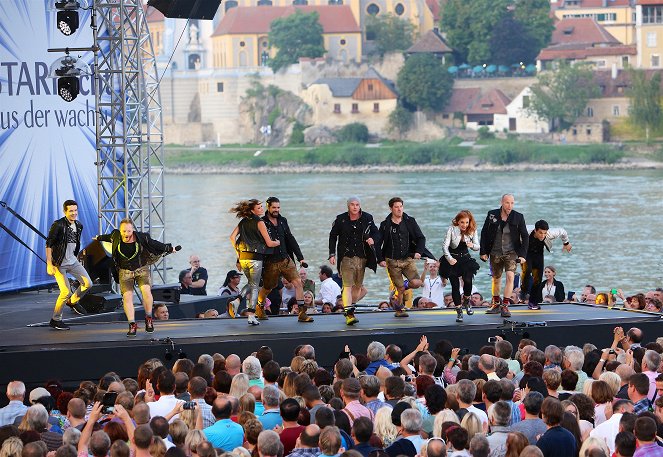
{"x":108,"y":403}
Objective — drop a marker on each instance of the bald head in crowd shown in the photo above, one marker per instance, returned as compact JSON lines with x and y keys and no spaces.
{"x":233,"y":364}
{"x":141,"y":414}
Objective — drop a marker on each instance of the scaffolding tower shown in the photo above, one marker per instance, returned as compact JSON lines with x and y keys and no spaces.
{"x":129,"y":124}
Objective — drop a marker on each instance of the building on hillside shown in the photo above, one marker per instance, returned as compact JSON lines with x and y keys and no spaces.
{"x":617,"y":16}
{"x":421,"y":13}
{"x":241,"y":37}
{"x":649,"y":33}
{"x":340,"y":101}
{"x":473,"y":108}
{"x":518,"y":118}
{"x":431,"y":42}
{"x":585,"y":40}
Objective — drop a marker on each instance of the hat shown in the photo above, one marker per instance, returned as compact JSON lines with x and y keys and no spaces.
{"x":397,"y":411}
{"x":37,"y":393}
{"x":230,"y":275}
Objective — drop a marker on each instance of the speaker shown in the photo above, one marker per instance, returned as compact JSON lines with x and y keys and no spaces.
{"x":169,"y":293}
{"x":104,"y":302}
{"x":187,"y":9}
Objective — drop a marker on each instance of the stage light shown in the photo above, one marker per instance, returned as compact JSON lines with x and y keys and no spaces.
{"x":67,"y":70}
{"x":67,"y":16}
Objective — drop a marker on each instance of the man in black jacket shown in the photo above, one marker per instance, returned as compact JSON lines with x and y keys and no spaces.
{"x":399,"y":244}
{"x":504,"y":239}
{"x":281,"y":261}
{"x":62,"y":247}
{"x":355,"y":233}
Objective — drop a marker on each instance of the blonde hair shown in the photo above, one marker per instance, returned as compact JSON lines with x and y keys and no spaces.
{"x":472,"y":424}
{"x":179,"y":428}
{"x":12,"y":447}
{"x":383,"y":427}
{"x":188,"y":416}
{"x":157,"y":447}
{"x":613,"y":380}
{"x":592,"y":443}
{"x":587,"y":388}
{"x":193,"y":439}
{"x":239,"y":385}
{"x":446,"y":415}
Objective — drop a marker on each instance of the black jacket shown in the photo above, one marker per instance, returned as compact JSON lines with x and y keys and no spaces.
{"x":291,"y":245}
{"x":416,"y":238}
{"x":519,"y":235}
{"x":342,"y":229}
{"x":560,"y":295}
{"x":57,"y":240}
{"x":151,"y":250}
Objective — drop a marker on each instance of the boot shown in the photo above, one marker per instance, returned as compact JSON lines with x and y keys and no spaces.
{"x":260,"y":312}
{"x":302,"y":316}
{"x":494,"y":306}
{"x":468,"y":305}
{"x":459,"y":314}
{"x":133,"y":327}
{"x":504,"y":308}
{"x":350,"y":318}
{"x":149,"y":326}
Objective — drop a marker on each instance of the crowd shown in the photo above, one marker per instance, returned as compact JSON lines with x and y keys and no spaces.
{"x":381,"y":401}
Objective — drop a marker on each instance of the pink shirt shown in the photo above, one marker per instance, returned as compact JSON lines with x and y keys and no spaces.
{"x":354,"y":410}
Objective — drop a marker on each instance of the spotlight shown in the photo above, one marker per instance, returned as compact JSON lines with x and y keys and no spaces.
{"x":67,"y":70}
{"x":67,"y":16}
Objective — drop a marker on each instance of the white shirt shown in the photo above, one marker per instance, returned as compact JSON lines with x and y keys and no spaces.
{"x":480,"y":413}
{"x":163,"y":406}
{"x":434,"y":290}
{"x":607,"y":431}
{"x":328,"y":292}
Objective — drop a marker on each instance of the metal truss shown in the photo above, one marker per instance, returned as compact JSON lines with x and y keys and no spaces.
{"x":129,"y":127}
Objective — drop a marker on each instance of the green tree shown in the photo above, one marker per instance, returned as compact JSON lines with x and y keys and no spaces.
{"x":561,"y":96}
{"x":401,"y":119}
{"x":389,"y":33}
{"x":534,"y":15}
{"x":424,"y":82}
{"x":295,"y":36}
{"x":510,"y":42}
{"x":645,"y":101}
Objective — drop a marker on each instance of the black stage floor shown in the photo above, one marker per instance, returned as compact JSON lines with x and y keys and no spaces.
{"x":92,"y":347}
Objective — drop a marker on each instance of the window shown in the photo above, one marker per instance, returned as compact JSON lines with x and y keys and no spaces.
{"x":655,"y":61}
{"x":525,"y":101}
{"x":335,"y":2}
{"x":399,"y":9}
{"x":242,"y":44}
{"x":575,"y":132}
{"x":588,"y":132}
{"x":615,"y":110}
{"x":299,"y":2}
{"x":355,"y":108}
{"x":445,"y":116}
{"x":625,"y":62}
{"x":652,"y":14}
{"x":651,"y":39}
{"x":373,"y":9}
{"x":337,"y":108}
{"x":376,"y":107}
{"x":600,"y":63}
{"x":343,"y":42}
{"x":230,"y":4}
{"x":370,"y":87}
{"x":264,"y":2}
{"x":219,"y":87}
{"x":590,"y":111}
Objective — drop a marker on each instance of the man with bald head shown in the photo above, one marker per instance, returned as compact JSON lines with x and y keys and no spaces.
{"x":198,"y":276}
{"x":76,"y":411}
{"x":141,"y":414}
{"x":224,"y":434}
{"x":233,"y":364}
{"x":487,"y":365}
{"x":504,"y":239}
{"x":307,"y":443}
{"x":15,"y":408}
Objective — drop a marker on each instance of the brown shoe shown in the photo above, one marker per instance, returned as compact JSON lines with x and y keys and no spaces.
{"x":261,"y":315}
{"x":401,"y":313}
{"x":504,"y":311}
{"x":302,"y":316}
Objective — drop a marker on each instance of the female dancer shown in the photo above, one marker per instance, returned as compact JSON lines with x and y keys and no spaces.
{"x":551,"y":286}
{"x":457,"y":263}
{"x":251,"y":241}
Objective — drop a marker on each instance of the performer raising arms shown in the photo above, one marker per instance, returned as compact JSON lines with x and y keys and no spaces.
{"x":133,"y":252}
{"x":457,"y":263}
{"x":251,"y":241}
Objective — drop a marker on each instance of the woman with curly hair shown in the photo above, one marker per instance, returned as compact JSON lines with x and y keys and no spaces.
{"x":456,"y":263}
{"x":384,"y":428}
{"x":251,"y":241}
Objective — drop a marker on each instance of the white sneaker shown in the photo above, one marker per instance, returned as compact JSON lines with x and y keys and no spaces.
{"x":253,"y":321}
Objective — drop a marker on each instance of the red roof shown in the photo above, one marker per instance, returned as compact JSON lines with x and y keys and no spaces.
{"x":434,"y":7}
{"x":493,"y":102}
{"x":430,"y":42}
{"x":581,"y":30}
{"x":258,"y":19}
{"x":461,"y":100}
{"x":596,"y":4}
{"x":618,"y":87}
{"x":571,"y":52}
{"x":153,"y":14}
{"x":650,"y":2}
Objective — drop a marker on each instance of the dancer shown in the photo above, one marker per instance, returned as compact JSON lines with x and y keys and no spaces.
{"x":540,"y":236}
{"x":62,"y":247}
{"x":355,"y":232}
{"x":281,"y":261}
{"x":457,"y":262}
{"x":504,"y":238}
{"x":251,"y":241}
{"x":400,"y":242}
{"x":133,"y":252}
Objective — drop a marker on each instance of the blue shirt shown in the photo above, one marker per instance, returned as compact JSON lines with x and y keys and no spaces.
{"x":270,"y":419}
{"x":373,"y":367}
{"x":557,"y":442}
{"x":642,"y":406}
{"x":225,"y":434}
{"x":649,"y":450}
{"x":10,"y":412}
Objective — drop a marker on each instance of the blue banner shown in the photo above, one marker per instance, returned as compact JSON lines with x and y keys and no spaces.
{"x":47,"y":146}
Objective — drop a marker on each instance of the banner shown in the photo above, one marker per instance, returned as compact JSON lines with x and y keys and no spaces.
{"x":47,"y":146}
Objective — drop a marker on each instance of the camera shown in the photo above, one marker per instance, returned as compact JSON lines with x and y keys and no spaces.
{"x":464,"y":351}
{"x":409,"y":378}
{"x":189,"y":405}
{"x":108,"y":403}
{"x":492,"y":339}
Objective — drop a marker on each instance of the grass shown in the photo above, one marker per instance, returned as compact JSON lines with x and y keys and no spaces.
{"x":511,"y":152}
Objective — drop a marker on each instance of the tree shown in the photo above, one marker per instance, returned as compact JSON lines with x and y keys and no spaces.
{"x":561,"y":96}
{"x":510,"y":42}
{"x":535,"y":17}
{"x":645,"y":101}
{"x":401,"y":120}
{"x":424,"y":82}
{"x":295,"y":36}
{"x":389,"y":33}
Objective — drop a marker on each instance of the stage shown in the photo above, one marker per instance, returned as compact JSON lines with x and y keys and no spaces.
{"x":32,"y":352}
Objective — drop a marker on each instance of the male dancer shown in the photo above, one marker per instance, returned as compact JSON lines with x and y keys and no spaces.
{"x":354,"y":231}
{"x":133,"y":252}
{"x":504,"y":238}
{"x":280,"y":262}
{"x":400,"y":242}
{"x":540,"y":236}
{"x":62,"y":247}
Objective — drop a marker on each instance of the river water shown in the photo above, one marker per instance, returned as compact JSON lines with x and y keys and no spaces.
{"x":614,"y":219}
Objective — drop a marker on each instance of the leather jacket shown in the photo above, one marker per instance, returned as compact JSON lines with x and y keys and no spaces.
{"x":57,"y":240}
{"x":341,"y":230}
{"x":291,"y":245}
{"x":416,"y":238}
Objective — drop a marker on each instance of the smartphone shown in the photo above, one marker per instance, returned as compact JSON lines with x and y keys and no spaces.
{"x":409,"y":378}
{"x":492,"y":339}
{"x":189,"y":405}
{"x":569,"y":295}
{"x":108,"y":402}
{"x":464,"y":351}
